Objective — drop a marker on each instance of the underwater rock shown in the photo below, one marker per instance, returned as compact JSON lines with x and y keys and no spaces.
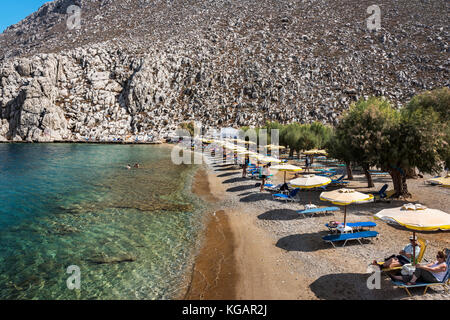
{"x":104,"y":259}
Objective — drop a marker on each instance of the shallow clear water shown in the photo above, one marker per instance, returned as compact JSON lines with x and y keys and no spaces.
{"x":77,"y":204}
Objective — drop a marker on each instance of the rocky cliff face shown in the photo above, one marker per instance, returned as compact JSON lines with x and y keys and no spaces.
{"x":139,"y":68}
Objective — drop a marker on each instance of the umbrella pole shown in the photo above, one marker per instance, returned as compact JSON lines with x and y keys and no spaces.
{"x":414,"y":249}
{"x":345,"y":216}
{"x":285,"y":177}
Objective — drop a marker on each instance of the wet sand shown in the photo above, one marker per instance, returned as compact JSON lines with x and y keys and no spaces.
{"x":237,"y":260}
{"x":214,"y":274}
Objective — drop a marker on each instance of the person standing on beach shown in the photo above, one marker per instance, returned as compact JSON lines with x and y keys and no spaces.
{"x":264,"y":175}
{"x":245,"y":166}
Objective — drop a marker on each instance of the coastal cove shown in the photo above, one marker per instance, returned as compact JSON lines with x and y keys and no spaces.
{"x":133,"y":233}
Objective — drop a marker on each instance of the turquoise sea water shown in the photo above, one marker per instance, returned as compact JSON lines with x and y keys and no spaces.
{"x":77,"y":204}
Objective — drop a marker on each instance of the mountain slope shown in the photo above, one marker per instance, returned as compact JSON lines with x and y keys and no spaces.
{"x":138,"y":67}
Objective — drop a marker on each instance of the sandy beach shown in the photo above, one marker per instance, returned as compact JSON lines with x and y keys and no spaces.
{"x":258,"y":248}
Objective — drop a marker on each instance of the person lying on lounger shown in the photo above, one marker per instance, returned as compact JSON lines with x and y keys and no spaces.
{"x":404,"y":256}
{"x":430,"y":273}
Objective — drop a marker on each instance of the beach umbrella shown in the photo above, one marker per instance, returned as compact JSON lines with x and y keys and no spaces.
{"x":245,"y":141}
{"x":315,"y":151}
{"x":286,"y":168}
{"x":310,"y":181}
{"x":345,"y":197}
{"x":416,"y":217}
{"x":274,"y":146}
{"x":269,"y":159}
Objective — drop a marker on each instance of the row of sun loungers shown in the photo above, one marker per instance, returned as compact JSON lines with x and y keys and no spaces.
{"x":358,"y":231}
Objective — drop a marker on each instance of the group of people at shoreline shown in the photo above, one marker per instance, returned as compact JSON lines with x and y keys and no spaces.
{"x":136,"y":166}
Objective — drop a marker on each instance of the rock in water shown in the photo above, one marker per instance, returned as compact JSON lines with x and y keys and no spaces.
{"x":104,"y":259}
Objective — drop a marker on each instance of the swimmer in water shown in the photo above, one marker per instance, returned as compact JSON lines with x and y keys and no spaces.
{"x":128,"y":166}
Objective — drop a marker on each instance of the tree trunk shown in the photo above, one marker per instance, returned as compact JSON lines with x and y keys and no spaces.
{"x":400,"y":186}
{"x":349,"y":171}
{"x":291,"y":153}
{"x":411,"y":173}
{"x":369,"y":178}
{"x":405,"y":191}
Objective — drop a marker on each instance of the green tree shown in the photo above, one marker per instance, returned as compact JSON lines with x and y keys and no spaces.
{"x":337,"y":149}
{"x":361,"y":132}
{"x":437,"y":100}
{"x":414,"y":141}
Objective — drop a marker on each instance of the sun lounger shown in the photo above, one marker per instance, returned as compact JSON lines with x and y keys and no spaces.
{"x":444,"y":283}
{"x":339,"y":181}
{"x":382,"y":193}
{"x":272,"y":187}
{"x":378,"y":173}
{"x":327,"y":173}
{"x":332,"y":238}
{"x":318,"y":210}
{"x":423,"y":247}
{"x":359,"y":226}
{"x":289,"y":197}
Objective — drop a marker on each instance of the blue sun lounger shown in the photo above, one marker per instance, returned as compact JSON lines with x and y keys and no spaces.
{"x":332,"y":238}
{"x":318,"y":210}
{"x":378,"y":173}
{"x":290,"y":197}
{"x":445,"y":283}
{"x":357,"y":225}
{"x":339,"y":181}
{"x":382,"y":193}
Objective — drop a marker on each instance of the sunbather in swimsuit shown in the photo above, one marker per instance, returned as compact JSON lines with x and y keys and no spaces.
{"x":404,"y":256}
{"x":430,"y":273}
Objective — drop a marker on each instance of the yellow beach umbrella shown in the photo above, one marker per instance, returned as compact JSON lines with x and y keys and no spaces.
{"x":345,"y":197}
{"x":270,"y":159}
{"x":315,"y":151}
{"x":286,"y":168}
{"x":310,"y":181}
{"x":274,"y":146}
{"x":416,"y":217}
{"x":247,"y":142}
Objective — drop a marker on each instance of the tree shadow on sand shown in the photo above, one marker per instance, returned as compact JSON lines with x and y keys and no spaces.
{"x":353,"y":286}
{"x":280,"y":214}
